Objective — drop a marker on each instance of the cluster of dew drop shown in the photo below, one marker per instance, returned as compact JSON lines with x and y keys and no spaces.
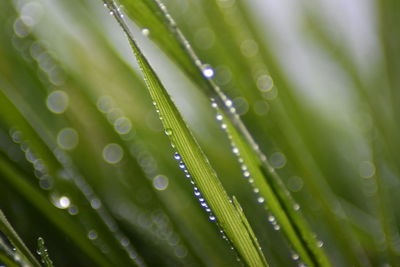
{"x":64,"y":202}
{"x":114,"y":10}
{"x":41,"y":171}
{"x":159,"y":224}
{"x":235,"y":150}
{"x":29,"y":15}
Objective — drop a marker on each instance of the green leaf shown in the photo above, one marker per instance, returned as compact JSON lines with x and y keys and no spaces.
{"x":8,"y":230}
{"x":194,"y":160}
{"x":271,"y":188}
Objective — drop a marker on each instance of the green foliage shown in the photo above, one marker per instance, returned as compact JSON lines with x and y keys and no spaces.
{"x":242,"y":138}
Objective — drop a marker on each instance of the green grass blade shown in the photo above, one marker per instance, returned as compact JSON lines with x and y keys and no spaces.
{"x":22,"y":249}
{"x":194,"y":160}
{"x":276,"y":199}
{"x":293,"y":223}
{"x":44,"y":254}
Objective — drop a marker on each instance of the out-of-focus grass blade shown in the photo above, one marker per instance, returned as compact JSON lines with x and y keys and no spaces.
{"x":194,"y":161}
{"x":22,"y":249}
{"x":15,"y":179}
{"x":6,"y":257}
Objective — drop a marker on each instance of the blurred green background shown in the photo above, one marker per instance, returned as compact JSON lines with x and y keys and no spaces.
{"x":85,"y":163}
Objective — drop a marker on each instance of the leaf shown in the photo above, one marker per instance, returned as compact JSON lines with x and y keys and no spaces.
{"x":7,"y":229}
{"x":193,"y":159}
{"x":272,"y":189}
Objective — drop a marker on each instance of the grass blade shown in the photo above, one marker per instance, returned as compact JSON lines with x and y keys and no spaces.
{"x":193,"y":159}
{"x":8,"y":230}
{"x":271,"y":186}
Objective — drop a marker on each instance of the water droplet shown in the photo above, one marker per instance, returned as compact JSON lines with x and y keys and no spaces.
{"x":73,"y":210}
{"x":271,"y":218}
{"x":295,"y":184}
{"x":223,"y":126}
{"x":168,"y":131}
{"x":177,"y":156}
{"x":320,"y":243}
{"x":220,"y":117}
{"x":235,"y":150}
{"x":64,"y":202}
{"x":182,"y":165}
{"x":57,"y":101}
{"x":212,"y":218}
{"x":123,"y":125}
{"x":113,"y":153}
{"x":228,"y":103}
{"x":197,"y":193}
{"x":105,"y":103}
{"x":67,"y":138}
{"x":296,"y":207}
{"x":249,"y":48}
{"x":277,"y":160}
{"x":95,"y":203}
{"x":246,"y":174}
{"x":260,"y":200}
{"x":31,"y":13}
{"x":295,"y":256}
{"x":367,"y":169}
{"x":111,"y":13}
{"x":207,"y":71}
{"x":160,"y":182}
{"x":92,"y":235}
{"x":265,"y":83}
{"x":145,"y":32}
{"x":21,"y":29}
{"x":277,"y":227}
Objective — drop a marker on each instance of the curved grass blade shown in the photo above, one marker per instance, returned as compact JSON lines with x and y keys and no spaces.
{"x":44,"y":254}
{"x":8,"y":230}
{"x":193,"y":159}
{"x":295,"y":225}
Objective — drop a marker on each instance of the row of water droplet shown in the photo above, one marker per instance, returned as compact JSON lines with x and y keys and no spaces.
{"x":246,"y":174}
{"x":203,"y":202}
{"x":196,"y":190}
